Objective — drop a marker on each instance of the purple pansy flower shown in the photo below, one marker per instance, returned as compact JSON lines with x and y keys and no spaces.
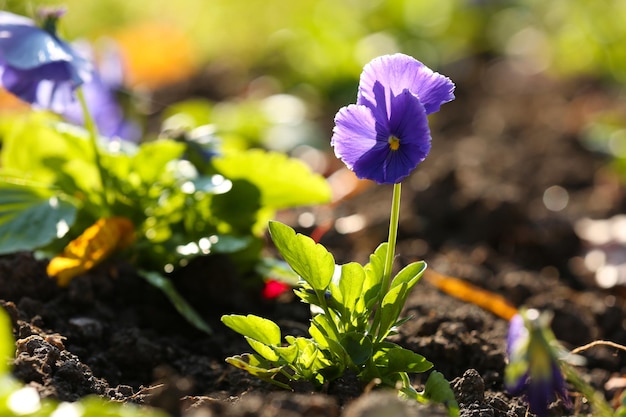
{"x":36,"y":65}
{"x":533,"y":367}
{"x":385,"y":135}
{"x":101,"y":96}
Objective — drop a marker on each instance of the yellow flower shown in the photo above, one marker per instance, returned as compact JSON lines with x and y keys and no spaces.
{"x":96,"y":244}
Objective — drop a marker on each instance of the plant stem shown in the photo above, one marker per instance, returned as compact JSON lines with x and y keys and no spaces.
{"x":391,"y":242}
{"x":90,"y":125}
{"x":389,"y":257}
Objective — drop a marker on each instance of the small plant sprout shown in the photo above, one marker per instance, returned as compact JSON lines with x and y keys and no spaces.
{"x":382,"y":138}
{"x":539,"y":366}
{"x":533,"y":362}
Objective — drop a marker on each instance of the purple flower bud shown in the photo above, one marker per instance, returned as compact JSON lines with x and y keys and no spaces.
{"x":533,"y":367}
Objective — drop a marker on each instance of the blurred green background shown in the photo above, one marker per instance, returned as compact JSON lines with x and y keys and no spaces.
{"x":325,"y":42}
{"x":240,"y":52}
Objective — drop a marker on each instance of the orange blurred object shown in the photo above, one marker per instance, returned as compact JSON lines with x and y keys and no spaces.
{"x":155,"y":54}
{"x":93,"y":246}
{"x":9,"y":102}
{"x":462,"y":290}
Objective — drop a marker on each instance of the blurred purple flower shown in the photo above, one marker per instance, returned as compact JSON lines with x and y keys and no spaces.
{"x":101,"y":96}
{"x":533,"y":366}
{"x":36,"y":65}
{"x":385,"y":135}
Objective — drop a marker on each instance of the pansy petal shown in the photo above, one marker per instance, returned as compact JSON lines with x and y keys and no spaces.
{"x":539,"y":395}
{"x":37,"y":66}
{"x":354,"y":133}
{"x":372,"y":165}
{"x":7,"y":18}
{"x":398,"y":72}
{"x":409,"y":125}
{"x":558,"y":383}
{"x":408,"y":121}
{"x":517,"y":335}
{"x":28,"y":47}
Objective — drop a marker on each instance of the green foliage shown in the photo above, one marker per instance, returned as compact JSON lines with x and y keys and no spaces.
{"x":349,"y":333}
{"x":31,"y":215}
{"x":50,"y":192}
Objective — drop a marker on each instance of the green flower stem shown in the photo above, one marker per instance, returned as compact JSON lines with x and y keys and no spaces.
{"x":391,"y":253}
{"x":391,"y":242}
{"x":90,"y":125}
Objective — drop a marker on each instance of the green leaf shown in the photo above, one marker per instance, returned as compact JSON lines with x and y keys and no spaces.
{"x":255,"y":327}
{"x":358,"y":346}
{"x":262,"y":349}
{"x":348,"y":292}
{"x":152,"y":158}
{"x":237,"y":209}
{"x":283,"y":181}
{"x":257,"y":366}
{"x":7,"y":344}
{"x":308,"y":259}
{"x":410,"y":274}
{"x":391,"y":307}
{"x":287,"y":353}
{"x":323,"y":324}
{"x":307,"y":355}
{"x":34,"y":146}
{"x":399,"y":359}
{"x":181,"y":305}
{"x":373,"y":278}
{"x":31,"y":217}
{"x":438,"y":389}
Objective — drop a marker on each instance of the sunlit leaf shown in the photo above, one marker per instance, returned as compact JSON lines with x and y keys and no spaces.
{"x":438,"y":389}
{"x":351,"y":284}
{"x":152,"y":159}
{"x":31,"y":217}
{"x":257,"y":366}
{"x":308,"y":259}
{"x":391,"y":307}
{"x":255,"y":327}
{"x":403,"y":360}
{"x":283,"y":181}
{"x":40,"y":148}
{"x":373,"y":278}
{"x":410,"y":274}
{"x":7,"y":344}
{"x":262,"y":349}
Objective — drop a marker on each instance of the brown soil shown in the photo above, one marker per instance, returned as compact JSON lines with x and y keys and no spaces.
{"x":472,"y":210}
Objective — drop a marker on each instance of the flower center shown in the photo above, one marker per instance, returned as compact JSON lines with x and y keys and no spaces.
{"x":394,"y":143}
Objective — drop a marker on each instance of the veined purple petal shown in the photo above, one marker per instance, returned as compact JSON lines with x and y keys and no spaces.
{"x":399,"y":72}
{"x":354,"y":133}
{"x":362,"y":142}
